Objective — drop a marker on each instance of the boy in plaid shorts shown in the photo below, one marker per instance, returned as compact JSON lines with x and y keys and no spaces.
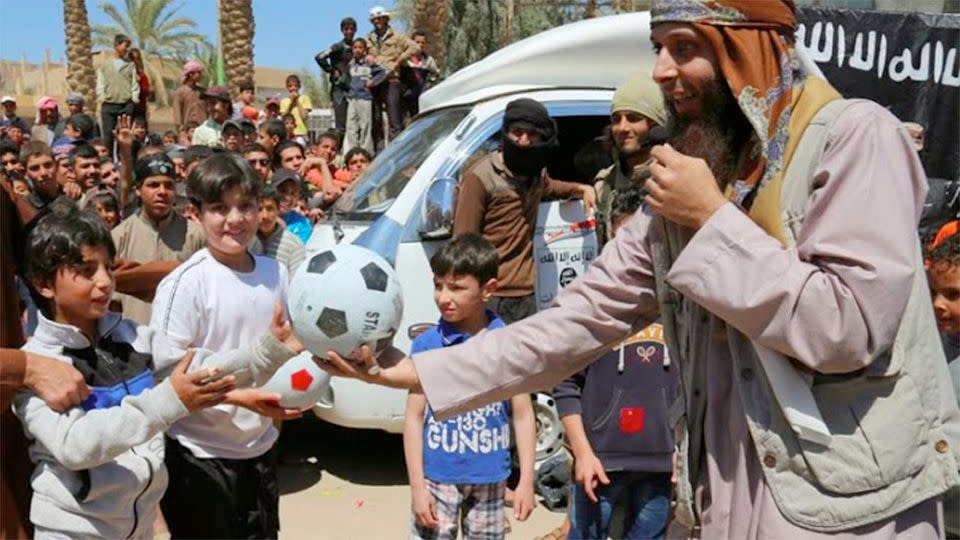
{"x":458,"y":467}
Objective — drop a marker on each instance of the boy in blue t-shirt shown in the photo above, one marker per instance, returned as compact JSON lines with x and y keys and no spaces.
{"x":458,"y":467}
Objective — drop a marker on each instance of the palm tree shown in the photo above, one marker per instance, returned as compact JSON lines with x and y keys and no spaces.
{"x":154,"y":27}
{"x":80,"y":74}
{"x":431,"y":16}
{"x":236,"y":41}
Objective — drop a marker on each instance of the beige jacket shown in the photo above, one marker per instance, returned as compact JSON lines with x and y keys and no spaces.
{"x":848,"y":303}
{"x":391,"y":50}
{"x":140,"y":240}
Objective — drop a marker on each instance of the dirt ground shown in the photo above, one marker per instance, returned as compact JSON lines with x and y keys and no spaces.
{"x":338,"y":483}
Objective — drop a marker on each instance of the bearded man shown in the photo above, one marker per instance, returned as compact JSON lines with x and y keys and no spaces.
{"x":816,"y":399}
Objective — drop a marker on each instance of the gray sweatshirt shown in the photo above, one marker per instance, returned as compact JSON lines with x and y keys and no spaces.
{"x":99,"y":466}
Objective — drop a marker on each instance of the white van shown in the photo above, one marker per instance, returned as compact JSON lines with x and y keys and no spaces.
{"x":402,"y":207}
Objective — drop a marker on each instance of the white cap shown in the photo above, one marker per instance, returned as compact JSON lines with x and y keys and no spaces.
{"x":379,"y":11}
{"x":6,"y":99}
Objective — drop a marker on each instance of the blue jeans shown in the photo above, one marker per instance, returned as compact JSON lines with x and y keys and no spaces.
{"x":647,"y":509}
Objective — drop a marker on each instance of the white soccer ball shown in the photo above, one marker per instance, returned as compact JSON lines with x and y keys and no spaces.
{"x":343,"y":298}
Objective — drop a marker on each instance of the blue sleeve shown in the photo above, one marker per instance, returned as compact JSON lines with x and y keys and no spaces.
{"x":377,"y":74}
{"x":426,"y":341}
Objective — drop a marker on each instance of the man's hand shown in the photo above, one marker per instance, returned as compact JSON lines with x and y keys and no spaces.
{"x":681,"y":188}
{"x":201,"y":388}
{"x":280,"y":328}
{"x":399,"y":374}
{"x":312,"y":162}
{"x":57,"y":383}
{"x":589,"y":473}
{"x":124,"y":131}
{"x":424,"y":508}
{"x":73,"y":190}
{"x":262,"y":403}
{"x":523,"y":500}
{"x":589,"y":197}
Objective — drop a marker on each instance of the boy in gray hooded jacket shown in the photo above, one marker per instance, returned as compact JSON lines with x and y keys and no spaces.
{"x":99,"y":466}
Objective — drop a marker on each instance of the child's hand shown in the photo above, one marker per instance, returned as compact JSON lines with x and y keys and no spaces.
{"x":199,"y":389}
{"x":424,"y":508}
{"x":280,"y":328}
{"x":72,"y":190}
{"x":523,"y":501}
{"x":588,"y":472}
{"x":262,"y":403}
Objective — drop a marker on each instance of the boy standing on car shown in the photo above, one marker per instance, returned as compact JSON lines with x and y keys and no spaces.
{"x":499,"y":196}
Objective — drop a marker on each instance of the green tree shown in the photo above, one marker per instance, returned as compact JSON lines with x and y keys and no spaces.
{"x":315,"y":87}
{"x":154,"y":27}
{"x":475,"y":28}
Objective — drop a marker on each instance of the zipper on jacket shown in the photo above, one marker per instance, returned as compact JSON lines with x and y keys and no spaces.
{"x":136,"y":515}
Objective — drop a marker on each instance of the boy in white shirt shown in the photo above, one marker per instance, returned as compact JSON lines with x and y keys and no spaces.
{"x":222,"y":462}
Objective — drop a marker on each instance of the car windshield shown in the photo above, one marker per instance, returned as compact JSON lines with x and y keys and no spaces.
{"x":377,"y":188}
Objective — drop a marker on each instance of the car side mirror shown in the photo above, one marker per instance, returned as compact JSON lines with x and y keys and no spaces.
{"x":436,"y":211}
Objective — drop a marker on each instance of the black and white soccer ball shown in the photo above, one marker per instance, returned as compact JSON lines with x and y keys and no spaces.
{"x":343,"y":298}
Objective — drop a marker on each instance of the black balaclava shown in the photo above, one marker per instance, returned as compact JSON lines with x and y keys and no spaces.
{"x":527,"y":161}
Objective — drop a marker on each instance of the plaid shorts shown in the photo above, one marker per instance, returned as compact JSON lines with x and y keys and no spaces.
{"x":476,"y":508}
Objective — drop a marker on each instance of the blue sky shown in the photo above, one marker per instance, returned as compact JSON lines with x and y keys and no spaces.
{"x":288,"y":32}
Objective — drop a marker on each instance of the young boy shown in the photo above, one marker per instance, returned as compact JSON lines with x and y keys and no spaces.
{"x":222,"y":461}
{"x":99,"y":466}
{"x":106,"y":207}
{"x":364,"y":76}
{"x":270,"y":134}
{"x":321,"y":173}
{"x":276,"y":240}
{"x":259,"y":160}
{"x":458,"y":468}
{"x":943,"y":274}
{"x":297,"y":105}
{"x":615,"y":417}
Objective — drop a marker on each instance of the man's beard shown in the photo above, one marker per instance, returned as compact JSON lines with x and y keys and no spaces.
{"x":717,"y":136}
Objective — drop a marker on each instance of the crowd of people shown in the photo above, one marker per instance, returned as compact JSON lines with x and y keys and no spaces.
{"x":145,"y":274}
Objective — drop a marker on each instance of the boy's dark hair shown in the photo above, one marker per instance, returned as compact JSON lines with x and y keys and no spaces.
{"x":170,"y":133}
{"x":348,"y":21}
{"x":97,"y":141}
{"x":58,"y":238}
{"x":288,"y":116}
{"x":253,"y":147}
{"x":270,"y":192}
{"x":292,"y":78}
{"x":626,"y":202}
{"x":422,"y":33}
{"x":947,"y":251}
{"x":362,"y":41}
{"x":278,"y":149}
{"x":82,"y":123}
{"x":32,"y":149}
{"x":274,"y":128}
{"x":218,"y":173}
{"x":353,"y":152}
{"x":329,"y":134}
{"x":84,"y":150}
{"x":120,"y":38}
{"x":7,"y":147}
{"x":139,"y":121}
{"x":467,"y":254}
{"x":246,"y":85}
{"x":196,"y":152}
{"x":108,"y":200}
{"x":105,"y":159}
